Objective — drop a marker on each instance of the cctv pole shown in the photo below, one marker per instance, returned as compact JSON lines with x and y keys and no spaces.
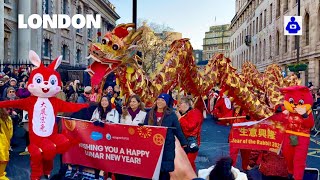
{"x":298,"y":37}
{"x":298,"y":42}
{"x":134,"y":13}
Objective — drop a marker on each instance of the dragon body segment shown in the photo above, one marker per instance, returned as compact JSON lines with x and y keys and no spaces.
{"x":178,"y":69}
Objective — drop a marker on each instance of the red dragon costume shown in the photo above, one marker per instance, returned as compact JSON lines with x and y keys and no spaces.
{"x":299,"y":121}
{"x":45,"y":142}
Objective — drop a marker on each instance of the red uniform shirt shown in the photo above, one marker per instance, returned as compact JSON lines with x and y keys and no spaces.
{"x":191,"y":123}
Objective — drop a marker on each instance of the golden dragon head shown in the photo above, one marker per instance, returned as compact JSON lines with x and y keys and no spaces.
{"x":117,"y":45}
{"x":116,"y":48}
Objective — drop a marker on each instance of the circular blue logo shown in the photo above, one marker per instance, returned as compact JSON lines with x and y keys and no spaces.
{"x":108,"y":136}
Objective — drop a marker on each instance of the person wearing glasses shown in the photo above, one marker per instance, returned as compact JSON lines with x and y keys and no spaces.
{"x":85,"y":96}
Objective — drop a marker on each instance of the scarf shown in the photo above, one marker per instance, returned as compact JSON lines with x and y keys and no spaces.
{"x":133,"y":113}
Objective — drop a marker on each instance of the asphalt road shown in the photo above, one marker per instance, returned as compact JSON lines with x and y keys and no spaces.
{"x":214,"y":145}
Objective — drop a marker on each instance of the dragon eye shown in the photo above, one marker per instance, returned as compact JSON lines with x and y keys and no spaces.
{"x":301,"y":101}
{"x":291,"y":100}
{"x":104,"y":41}
{"x":115,"y":47}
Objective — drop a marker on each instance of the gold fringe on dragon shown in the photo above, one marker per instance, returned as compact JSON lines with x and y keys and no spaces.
{"x":117,"y":52}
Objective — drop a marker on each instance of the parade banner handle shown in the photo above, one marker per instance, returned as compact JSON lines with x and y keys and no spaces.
{"x":228,"y":118}
{"x":250,"y":123}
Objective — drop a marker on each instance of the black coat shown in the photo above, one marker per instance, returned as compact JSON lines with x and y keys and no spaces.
{"x":169,"y":120}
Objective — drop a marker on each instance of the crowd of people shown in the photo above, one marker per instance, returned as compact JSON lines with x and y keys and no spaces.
{"x":170,"y":110}
{"x":183,"y":120}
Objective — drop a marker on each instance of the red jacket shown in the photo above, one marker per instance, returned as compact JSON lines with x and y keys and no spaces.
{"x":221,"y":110}
{"x":191,"y":124}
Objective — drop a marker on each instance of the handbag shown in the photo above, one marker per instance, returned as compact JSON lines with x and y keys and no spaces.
{"x":193,"y":144}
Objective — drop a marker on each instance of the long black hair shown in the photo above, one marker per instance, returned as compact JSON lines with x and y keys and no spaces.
{"x":222,"y":170}
{"x":103,"y":113}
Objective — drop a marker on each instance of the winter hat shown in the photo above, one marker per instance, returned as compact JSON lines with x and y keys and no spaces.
{"x":13,"y":79}
{"x":87,"y":89}
{"x":165,"y":96}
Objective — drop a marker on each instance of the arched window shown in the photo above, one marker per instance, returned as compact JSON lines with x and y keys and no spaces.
{"x":256,"y":54}
{"x":79,"y":11}
{"x":78,"y":56}
{"x":277,"y":43}
{"x":264,"y":50}
{"x":64,"y":52}
{"x":47,"y":7}
{"x":65,"y":7}
{"x":307,"y":27}
{"x":260,"y":51}
{"x":285,"y":5}
{"x":318,"y":22}
{"x":270,"y":46}
{"x":278,"y":8}
{"x":257,"y":25}
{"x":47,"y":48}
{"x":285,"y":44}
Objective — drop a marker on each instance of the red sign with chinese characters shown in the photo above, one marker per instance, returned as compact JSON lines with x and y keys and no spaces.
{"x":266,"y":134}
{"x":121,"y":149}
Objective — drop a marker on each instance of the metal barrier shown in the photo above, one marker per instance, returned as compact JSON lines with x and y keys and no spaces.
{"x":316,"y":116}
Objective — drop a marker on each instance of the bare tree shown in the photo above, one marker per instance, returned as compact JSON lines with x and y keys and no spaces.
{"x":155,"y":42}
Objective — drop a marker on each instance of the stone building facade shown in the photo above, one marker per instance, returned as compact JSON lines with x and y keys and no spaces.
{"x":258,"y":35}
{"x":197,"y":54}
{"x":50,"y":43}
{"x":217,"y":40}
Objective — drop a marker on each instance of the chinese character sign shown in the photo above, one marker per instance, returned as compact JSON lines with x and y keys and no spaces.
{"x":266,"y":134}
{"x":122,"y":149}
{"x":292,"y":25}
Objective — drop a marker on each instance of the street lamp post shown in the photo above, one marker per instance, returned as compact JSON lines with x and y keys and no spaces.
{"x":134,"y":13}
{"x":298,"y":42}
{"x":298,"y":37}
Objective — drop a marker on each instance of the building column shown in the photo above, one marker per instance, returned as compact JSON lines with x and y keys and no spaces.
{"x":36,"y":34}
{"x":24,"y":35}
{"x":2,"y":31}
{"x":314,"y":72}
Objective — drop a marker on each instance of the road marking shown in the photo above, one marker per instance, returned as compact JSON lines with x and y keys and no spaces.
{"x":315,"y":156}
{"x":315,"y":141}
{"x":314,"y":151}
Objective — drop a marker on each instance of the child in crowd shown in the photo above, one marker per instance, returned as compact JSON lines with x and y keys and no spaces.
{"x":6,"y":131}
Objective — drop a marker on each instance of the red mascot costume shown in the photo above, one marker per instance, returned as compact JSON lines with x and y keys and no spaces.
{"x":45,"y":142}
{"x":299,"y":121}
{"x":223,"y":107}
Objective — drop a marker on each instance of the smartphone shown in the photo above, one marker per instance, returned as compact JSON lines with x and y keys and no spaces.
{"x":311,"y":174}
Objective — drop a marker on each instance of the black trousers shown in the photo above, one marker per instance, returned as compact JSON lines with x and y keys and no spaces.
{"x":164,"y":176}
